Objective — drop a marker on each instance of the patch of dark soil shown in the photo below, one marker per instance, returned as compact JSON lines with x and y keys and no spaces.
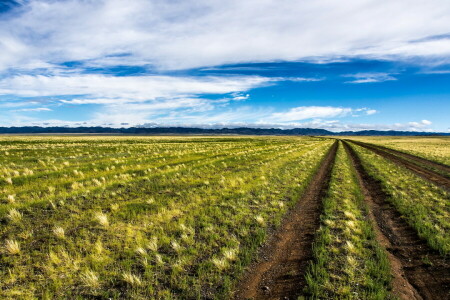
{"x":279,"y":272}
{"x":419,"y":272}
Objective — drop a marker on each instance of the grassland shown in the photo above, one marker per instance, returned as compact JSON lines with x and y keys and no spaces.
{"x":142,"y":217}
{"x":85,"y":217}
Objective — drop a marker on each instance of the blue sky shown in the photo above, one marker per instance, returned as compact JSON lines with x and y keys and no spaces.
{"x":338,"y":65}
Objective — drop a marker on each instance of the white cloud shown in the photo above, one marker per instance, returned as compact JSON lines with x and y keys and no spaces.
{"x":421,"y":124}
{"x":189,"y":34}
{"x":38,"y":109}
{"x":100,"y":89}
{"x":309,"y":112}
{"x":370,"y":77}
{"x":371,"y":112}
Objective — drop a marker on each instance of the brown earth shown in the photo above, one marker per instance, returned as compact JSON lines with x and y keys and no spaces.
{"x":419,"y":272}
{"x":427,"y":174}
{"x":279,"y":272}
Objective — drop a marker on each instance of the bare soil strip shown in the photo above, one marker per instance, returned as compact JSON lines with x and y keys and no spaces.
{"x":279,"y":271}
{"x":427,"y":174}
{"x":419,"y":272}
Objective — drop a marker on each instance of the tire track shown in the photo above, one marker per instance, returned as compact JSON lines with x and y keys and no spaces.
{"x":427,"y":174}
{"x":279,"y":271}
{"x":419,"y":272}
{"x":439,"y":167}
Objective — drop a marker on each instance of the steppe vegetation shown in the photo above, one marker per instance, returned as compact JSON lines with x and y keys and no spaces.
{"x":116,"y":217}
{"x":142,"y":217}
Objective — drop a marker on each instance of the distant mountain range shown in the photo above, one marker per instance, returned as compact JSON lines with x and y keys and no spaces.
{"x":204,"y":131}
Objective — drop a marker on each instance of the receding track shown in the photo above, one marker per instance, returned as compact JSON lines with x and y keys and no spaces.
{"x":279,"y":271}
{"x":432,"y":176}
{"x":440,"y":167}
{"x":419,"y":272}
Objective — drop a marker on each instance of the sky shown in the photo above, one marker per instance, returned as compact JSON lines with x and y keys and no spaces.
{"x":336,"y":65}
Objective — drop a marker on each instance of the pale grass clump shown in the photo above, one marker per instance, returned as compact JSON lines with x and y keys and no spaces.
{"x":90,"y":279}
{"x":11,"y":198}
{"x":175,"y":246}
{"x":102,"y":219}
{"x":350,"y":247}
{"x":59,"y":232}
{"x":96,"y":182}
{"x":350,"y":215}
{"x":230,"y":254}
{"x":8,"y":180}
{"x":114,"y":206}
{"x":352,"y":261}
{"x":12,"y":247}
{"x":158,"y":259}
{"x":131,"y":279}
{"x":27,"y":172}
{"x":75,"y":186}
{"x":14,"y":215}
{"x":141,"y":251}
{"x":351,"y":224}
{"x":260,"y":220}
{"x":220,"y":263}
{"x":153,"y":244}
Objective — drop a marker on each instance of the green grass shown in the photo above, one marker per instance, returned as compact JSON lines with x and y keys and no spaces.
{"x":140,"y":218}
{"x":424,"y":205}
{"x":348,"y":262}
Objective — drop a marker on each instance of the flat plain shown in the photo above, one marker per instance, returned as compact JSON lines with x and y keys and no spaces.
{"x":196,"y":217}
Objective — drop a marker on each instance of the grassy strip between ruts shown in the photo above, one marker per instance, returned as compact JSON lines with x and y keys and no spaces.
{"x":424,"y":205}
{"x":348,"y":262}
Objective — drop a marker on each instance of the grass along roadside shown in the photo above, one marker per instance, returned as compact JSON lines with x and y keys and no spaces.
{"x":423,"y":204}
{"x":348,"y":262}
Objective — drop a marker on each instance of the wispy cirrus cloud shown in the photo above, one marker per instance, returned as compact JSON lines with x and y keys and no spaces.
{"x":37,"y":109}
{"x":370,"y":77}
{"x":309,"y":112}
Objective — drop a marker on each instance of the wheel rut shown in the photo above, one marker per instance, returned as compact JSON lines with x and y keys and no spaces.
{"x":420,"y":160}
{"x":282,"y":261}
{"x":427,"y":174}
{"x":419,"y":272}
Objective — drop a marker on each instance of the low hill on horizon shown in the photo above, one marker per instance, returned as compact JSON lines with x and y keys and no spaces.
{"x":207,"y":131}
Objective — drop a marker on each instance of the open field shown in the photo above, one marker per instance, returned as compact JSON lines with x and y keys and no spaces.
{"x":89,"y":217}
